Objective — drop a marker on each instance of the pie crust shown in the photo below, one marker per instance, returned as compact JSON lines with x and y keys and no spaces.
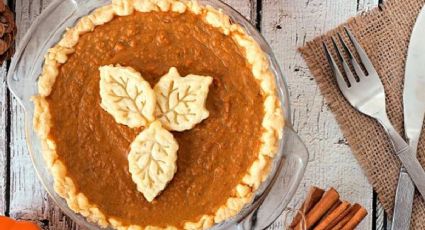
{"x":272,"y":123}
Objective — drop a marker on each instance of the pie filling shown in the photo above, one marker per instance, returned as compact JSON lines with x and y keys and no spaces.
{"x":212,"y":158}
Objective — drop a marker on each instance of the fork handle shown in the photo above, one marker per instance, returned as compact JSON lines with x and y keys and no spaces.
{"x":405,"y":154}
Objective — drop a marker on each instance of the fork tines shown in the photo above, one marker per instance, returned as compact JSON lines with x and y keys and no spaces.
{"x":366,"y":93}
{"x":369,"y":69}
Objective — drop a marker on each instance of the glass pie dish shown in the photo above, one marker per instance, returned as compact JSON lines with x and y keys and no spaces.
{"x":288,"y":166}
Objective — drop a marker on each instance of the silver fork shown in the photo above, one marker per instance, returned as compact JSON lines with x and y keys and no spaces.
{"x":367,"y":95}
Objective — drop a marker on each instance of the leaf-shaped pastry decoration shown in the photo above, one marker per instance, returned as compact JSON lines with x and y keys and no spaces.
{"x":177,"y":103}
{"x":126,"y":96}
{"x":152,"y":160}
{"x":181,"y":100}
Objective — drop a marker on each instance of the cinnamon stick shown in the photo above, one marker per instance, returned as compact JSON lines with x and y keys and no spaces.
{"x":326,"y":221}
{"x":313,"y":196}
{"x":356,"y":219}
{"x":325,"y":203}
{"x":330,"y":210}
{"x":339,"y":218}
{"x":347,"y":217}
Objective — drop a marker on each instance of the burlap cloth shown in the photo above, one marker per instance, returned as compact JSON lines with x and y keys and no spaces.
{"x":384,"y":32}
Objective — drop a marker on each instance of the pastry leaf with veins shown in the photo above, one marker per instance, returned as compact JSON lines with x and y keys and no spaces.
{"x":126,"y":96}
{"x":181,"y":100}
{"x":152,"y":160}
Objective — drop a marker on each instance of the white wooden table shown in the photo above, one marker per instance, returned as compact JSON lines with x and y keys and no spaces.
{"x":286,"y":25}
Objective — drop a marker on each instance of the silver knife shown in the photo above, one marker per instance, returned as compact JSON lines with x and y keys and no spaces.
{"x":414,"y":110}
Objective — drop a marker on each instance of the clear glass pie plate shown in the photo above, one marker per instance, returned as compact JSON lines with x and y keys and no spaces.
{"x":288,"y":166}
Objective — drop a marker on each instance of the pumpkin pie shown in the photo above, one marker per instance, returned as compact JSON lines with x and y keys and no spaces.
{"x":157,"y":114}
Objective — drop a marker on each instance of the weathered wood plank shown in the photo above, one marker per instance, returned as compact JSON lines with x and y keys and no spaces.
{"x":4,"y":108}
{"x":26,"y":195}
{"x":287,"y":25}
{"x":381,"y":221}
{"x":4,"y":138}
{"x":28,"y":199}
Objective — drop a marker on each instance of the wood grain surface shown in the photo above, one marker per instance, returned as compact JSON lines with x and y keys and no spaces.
{"x":286,"y":25}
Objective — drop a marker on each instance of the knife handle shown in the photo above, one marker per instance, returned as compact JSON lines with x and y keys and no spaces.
{"x":403,"y":202}
{"x":405,"y":192}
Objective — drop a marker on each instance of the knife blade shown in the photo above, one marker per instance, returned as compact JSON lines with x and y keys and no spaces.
{"x":414,"y":111}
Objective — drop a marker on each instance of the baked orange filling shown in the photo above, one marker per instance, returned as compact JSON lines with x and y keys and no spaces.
{"x":212,"y":158}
